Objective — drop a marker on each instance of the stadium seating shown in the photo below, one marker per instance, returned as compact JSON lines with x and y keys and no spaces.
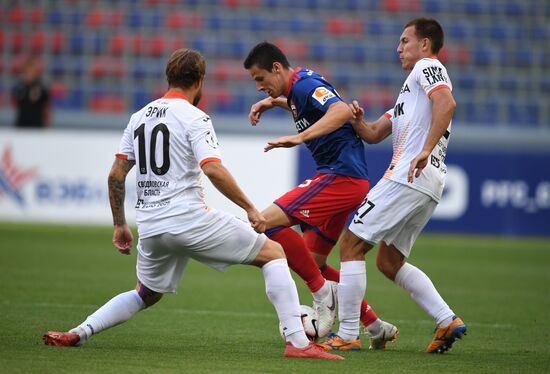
{"x":496,"y":52}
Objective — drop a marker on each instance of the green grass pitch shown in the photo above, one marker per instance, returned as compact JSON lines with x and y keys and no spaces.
{"x":52,"y":277}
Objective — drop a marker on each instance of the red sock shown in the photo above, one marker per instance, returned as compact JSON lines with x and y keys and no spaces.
{"x":299,"y":258}
{"x":368,"y":315}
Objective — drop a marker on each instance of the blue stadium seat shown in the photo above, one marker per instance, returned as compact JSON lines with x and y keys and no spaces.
{"x":433,"y":6}
{"x":522,"y":114}
{"x":524,"y":56}
{"x":375,"y":27}
{"x":318,"y":51}
{"x":58,"y":67}
{"x":508,"y":83}
{"x":55,"y":17}
{"x":140,"y":97}
{"x":499,"y":32}
{"x":465,"y":80}
{"x":76,"y":44}
{"x":515,"y":8}
{"x":473,"y":7}
{"x":540,"y":32}
{"x":482,"y":55}
{"x":135,"y":19}
{"x":75,"y":17}
{"x":457,"y":30}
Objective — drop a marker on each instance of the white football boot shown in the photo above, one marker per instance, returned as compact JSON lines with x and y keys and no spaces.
{"x":326,"y":309}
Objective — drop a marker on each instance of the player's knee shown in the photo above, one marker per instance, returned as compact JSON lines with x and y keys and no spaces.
{"x":270,"y":251}
{"x":148,"y":296}
{"x":389,"y":260}
{"x":387,"y":266}
{"x":352,"y":248}
{"x":320,"y":259}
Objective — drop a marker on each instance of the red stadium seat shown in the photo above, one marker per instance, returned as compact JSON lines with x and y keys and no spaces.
{"x":463,"y":55}
{"x":95,"y":18}
{"x":57,"y":42}
{"x":118,"y":69}
{"x":58,"y":90}
{"x":16,"y":15}
{"x":443,"y":55}
{"x":116,"y":18}
{"x":107,"y":104}
{"x":36,"y":16}
{"x":117,"y":44}
{"x":156,"y":46}
{"x":137,"y":45}
{"x":334,"y":26}
{"x":17,"y":41}
{"x":38,"y":41}
{"x":17,"y":64}
{"x":175,"y":20}
{"x":176,"y":42}
{"x":231,"y":3}
{"x":178,"y":20}
{"x":220,"y":72}
{"x":98,"y":68}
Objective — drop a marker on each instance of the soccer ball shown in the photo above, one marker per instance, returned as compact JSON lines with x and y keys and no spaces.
{"x":310,"y":320}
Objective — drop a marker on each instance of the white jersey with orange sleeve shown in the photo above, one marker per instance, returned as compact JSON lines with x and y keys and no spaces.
{"x":169,"y":139}
{"x":411,"y":120}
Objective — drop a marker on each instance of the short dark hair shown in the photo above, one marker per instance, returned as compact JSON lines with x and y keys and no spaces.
{"x":264,"y":55}
{"x":426,"y":27}
{"x":185,"y":68}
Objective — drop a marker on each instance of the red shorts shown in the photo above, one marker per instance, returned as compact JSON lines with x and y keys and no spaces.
{"x":324,"y":202}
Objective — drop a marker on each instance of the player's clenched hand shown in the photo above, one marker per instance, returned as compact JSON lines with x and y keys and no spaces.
{"x":358,"y":112}
{"x":257,"y":109}
{"x":417,"y":165}
{"x":122,"y":239}
{"x":284,"y":142}
{"x":257,"y":220}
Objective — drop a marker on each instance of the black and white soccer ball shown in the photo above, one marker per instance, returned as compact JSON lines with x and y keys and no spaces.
{"x":310,"y":320}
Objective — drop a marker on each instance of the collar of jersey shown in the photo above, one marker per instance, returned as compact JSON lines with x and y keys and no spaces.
{"x":174,"y":95}
{"x":293,"y":79}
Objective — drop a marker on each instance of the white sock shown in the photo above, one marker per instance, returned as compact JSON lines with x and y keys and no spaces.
{"x":423,"y":292}
{"x":117,"y":310}
{"x":322,"y":293}
{"x":351,"y":290}
{"x":281,"y":291}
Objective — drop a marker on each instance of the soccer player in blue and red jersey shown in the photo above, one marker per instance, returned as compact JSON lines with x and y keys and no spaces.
{"x":321,"y":204}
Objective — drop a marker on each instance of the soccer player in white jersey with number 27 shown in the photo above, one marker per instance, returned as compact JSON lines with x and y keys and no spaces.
{"x":171,"y":140}
{"x":399,"y":206}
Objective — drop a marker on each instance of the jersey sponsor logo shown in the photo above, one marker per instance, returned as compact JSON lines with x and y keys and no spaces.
{"x":142,"y":204}
{"x":322,"y":95}
{"x":434,"y":74}
{"x":211,"y":139}
{"x":13,"y":178}
{"x":156,"y":111}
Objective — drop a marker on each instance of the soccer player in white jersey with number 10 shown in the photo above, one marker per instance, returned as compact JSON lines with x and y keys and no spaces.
{"x":396,"y":210}
{"x":171,"y":140}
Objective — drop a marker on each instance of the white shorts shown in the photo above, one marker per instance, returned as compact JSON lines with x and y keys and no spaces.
{"x":215,"y":238}
{"x":393,"y":213}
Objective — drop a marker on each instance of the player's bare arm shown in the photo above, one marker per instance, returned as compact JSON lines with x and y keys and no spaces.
{"x":371,"y":132}
{"x":265,"y":104}
{"x":224,"y":182}
{"x":122,"y":236}
{"x":336,"y":116}
{"x":443,"y":107}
